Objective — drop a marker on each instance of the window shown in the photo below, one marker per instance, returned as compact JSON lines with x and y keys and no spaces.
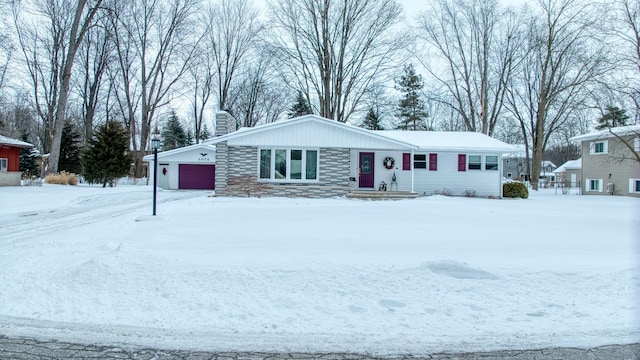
{"x":419,"y":161}
{"x":636,"y":144}
{"x":265,"y":164}
{"x":433,"y":162}
{"x":599,"y":147}
{"x":288,"y":164}
{"x":594,"y":185}
{"x":634,"y":185}
{"x":3,"y":164}
{"x":406,"y":161}
{"x":475,"y":162}
{"x":491,"y":162}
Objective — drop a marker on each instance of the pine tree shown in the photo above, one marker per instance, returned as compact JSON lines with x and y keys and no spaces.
{"x":204,"y":133}
{"x":371,"y":121}
{"x":29,"y":160}
{"x":410,"y":107}
{"x":70,"y":150}
{"x":300,"y":107}
{"x":106,"y":157}
{"x":173,"y":134}
{"x":614,"y":117}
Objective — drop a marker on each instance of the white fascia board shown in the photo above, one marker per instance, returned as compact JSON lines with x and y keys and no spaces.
{"x":162,"y":154}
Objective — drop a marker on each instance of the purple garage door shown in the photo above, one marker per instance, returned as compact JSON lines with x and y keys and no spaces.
{"x":197,"y":177}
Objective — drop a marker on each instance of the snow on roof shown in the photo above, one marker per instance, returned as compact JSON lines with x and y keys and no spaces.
{"x":607,"y":133}
{"x":448,"y":140}
{"x":14,"y":142}
{"x":162,"y":154}
{"x":569,"y":165}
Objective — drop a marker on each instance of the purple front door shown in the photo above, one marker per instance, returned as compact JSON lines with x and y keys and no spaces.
{"x":366,"y":170}
{"x":197,"y":177}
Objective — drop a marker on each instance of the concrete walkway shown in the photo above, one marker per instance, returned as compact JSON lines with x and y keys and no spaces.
{"x":32,"y":349}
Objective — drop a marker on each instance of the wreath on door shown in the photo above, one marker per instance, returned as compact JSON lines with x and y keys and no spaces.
{"x":389,"y":162}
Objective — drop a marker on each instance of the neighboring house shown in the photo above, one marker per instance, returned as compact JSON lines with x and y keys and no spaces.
{"x":10,"y":174}
{"x":191,"y":167}
{"x":610,"y":161}
{"x":312,"y":156}
{"x":514,"y":166}
{"x":569,"y":173}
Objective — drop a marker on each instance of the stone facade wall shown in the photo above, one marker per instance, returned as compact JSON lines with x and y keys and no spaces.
{"x":333,"y":174}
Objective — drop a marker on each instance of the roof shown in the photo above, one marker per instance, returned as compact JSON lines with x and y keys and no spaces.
{"x":14,"y":142}
{"x":309,"y":119}
{"x":569,"y":165}
{"x":409,"y":140}
{"x":162,"y":154}
{"x":448,"y":140}
{"x":608,"y":133}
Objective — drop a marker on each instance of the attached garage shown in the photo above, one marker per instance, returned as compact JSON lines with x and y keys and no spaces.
{"x":197,"y":177}
{"x":188,"y":168}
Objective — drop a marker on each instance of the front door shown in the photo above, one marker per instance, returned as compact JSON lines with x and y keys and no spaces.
{"x":366,"y":170}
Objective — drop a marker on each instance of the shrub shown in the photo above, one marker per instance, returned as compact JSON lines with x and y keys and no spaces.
{"x":515,"y":189}
{"x":470,"y":193}
{"x":443,"y":192}
{"x":62,"y":178}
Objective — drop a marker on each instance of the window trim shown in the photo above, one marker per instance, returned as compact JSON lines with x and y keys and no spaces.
{"x":420,"y":164}
{"x":469,"y":162}
{"x":633,"y":185}
{"x":593,"y":147}
{"x":287,"y":178}
{"x":497,"y":163}
{"x":589,"y":188}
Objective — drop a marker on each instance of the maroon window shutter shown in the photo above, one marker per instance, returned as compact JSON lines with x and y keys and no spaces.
{"x":462,"y":162}
{"x":433,"y":162}
{"x":406,"y":161}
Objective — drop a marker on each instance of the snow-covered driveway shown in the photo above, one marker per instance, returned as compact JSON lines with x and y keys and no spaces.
{"x":272,"y":274}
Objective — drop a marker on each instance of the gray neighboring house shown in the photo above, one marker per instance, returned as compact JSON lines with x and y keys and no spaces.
{"x":569,"y":174}
{"x":514,"y":166}
{"x":611,"y":161}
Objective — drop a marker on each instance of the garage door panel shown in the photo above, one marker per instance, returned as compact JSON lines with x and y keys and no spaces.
{"x":197,"y":177}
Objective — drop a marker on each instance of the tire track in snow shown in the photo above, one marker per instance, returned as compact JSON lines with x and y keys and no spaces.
{"x":29,"y":226}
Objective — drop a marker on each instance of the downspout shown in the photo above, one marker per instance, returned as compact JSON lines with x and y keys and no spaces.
{"x":412,"y":170}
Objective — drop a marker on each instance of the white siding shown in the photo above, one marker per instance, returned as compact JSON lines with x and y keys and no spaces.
{"x":312,"y":134}
{"x":426,"y":182}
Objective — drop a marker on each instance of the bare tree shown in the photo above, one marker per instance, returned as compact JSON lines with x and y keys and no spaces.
{"x":6,"y":47}
{"x":50,"y":34}
{"x":477,"y":41}
{"x":95,"y":53}
{"x":335,"y":50}
{"x":233,"y":32}
{"x":154,"y":47}
{"x":259,"y":97}
{"x":561,"y":59}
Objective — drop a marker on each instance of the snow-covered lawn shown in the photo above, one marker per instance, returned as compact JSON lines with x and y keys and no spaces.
{"x":414,"y":276}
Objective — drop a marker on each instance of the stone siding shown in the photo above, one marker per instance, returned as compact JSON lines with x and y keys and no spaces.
{"x":333,"y":174}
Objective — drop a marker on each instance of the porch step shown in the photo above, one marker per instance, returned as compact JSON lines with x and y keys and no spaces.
{"x":381,"y":195}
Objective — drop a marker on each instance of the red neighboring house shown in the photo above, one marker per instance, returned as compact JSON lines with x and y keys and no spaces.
{"x":10,"y":160}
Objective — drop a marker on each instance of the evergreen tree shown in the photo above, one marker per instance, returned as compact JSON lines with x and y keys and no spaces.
{"x":106,"y":157}
{"x":410,"y":107}
{"x":29,"y":160}
{"x":300,"y":107}
{"x":173,"y":134}
{"x":204,"y":133}
{"x":371,"y":121}
{"x":70,"y":150}
{"x":614,"y":117}
{"x":190,"y":139}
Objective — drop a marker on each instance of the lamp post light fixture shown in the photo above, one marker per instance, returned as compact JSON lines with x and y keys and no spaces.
{"x":155,"y":144}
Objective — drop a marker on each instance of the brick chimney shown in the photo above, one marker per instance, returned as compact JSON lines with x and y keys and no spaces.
{"x":225,"y":123}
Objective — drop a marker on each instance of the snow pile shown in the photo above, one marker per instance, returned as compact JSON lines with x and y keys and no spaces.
{"x":271,"y":274}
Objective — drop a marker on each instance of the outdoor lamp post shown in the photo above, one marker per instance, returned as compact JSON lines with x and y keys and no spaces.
{"x":155,"y":144}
